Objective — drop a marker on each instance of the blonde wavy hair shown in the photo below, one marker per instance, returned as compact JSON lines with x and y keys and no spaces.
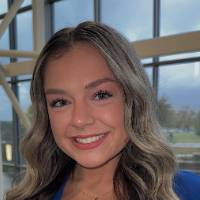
{"x":147,"y":165}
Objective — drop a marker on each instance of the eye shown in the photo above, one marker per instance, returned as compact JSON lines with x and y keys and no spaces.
{"x":57,"y":103}
{"x":102,"y":95}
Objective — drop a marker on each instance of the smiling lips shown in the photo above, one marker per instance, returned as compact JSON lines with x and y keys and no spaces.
{"x":85,"y":142}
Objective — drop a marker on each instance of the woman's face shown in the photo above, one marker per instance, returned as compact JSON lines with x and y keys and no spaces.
{"x":85,"y":106}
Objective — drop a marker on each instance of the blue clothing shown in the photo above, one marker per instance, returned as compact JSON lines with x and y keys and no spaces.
{"x":186,"y":186}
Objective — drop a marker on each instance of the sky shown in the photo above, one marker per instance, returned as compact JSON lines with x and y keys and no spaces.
{"x":4,"y":5}
{"x":180,"y":84}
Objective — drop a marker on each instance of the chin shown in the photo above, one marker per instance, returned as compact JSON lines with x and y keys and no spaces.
{"x":92,"y":164}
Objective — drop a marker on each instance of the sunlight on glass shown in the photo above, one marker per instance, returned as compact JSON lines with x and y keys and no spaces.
{"x":196,"y":69}
{"x":3,"y":6}
{"x":180,"y":56}
{"x":24,"y":97}
{"x":26,"y":3}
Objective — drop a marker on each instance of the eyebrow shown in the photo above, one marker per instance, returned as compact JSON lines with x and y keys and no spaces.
{"x":90,"y":85}
{"x":98,"y":82}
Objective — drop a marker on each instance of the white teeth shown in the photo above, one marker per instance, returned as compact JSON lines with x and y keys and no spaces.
{"x":89,"y":139}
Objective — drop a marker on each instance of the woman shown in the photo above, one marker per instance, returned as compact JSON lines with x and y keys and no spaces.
{"x":95,"y":134}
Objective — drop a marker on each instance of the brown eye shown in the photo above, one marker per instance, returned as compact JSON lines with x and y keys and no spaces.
{"x":102,"y":95}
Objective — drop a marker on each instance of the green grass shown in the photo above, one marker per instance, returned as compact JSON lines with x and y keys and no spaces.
{"x":184,"y":138}
{"x":182,"y":150}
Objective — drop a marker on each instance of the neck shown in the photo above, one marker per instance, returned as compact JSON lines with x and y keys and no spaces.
{"x":96,"y":179}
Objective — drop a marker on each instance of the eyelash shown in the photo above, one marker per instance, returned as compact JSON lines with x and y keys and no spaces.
{"x":101,"y":94}
{"x":60,"y":101}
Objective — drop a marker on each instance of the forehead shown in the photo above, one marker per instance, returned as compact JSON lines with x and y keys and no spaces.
{"x":82,"y":63}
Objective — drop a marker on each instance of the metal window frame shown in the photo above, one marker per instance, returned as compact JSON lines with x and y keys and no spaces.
{"x":15,"y":120}
{"x":156,"y":33}
{"x":97,"y":10}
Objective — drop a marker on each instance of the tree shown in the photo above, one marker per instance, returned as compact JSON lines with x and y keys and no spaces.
{"x":6,"y":128}
{"x":166,"y":113}
{"x":185,"y":118}
{"x":197,"y":123}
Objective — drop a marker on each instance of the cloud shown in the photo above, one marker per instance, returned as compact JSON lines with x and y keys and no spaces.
{"x":180,"y":76}
{"x":179,"y":16}
{"x":180,"y":84}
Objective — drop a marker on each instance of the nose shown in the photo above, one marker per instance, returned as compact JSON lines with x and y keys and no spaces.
{"x":81,"y":115}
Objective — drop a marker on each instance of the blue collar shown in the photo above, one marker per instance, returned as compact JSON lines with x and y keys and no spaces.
{"x":186,"y":186}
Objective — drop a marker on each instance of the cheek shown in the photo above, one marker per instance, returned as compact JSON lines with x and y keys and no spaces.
{"x":116,"y":119}
{"x":58,"y":122}
{"x":115,"y":114}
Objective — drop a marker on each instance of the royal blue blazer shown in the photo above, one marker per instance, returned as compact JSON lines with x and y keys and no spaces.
{"x":186,"y":186}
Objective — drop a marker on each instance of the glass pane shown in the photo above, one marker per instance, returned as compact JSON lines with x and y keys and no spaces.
{"x":180,"y":56}
{"x":4,"y":44}
{"x":26,"y":3}
{"x":25,"y":77}
{"x":72,"y":12}
{"x":179,"y":111}
{"x":25,"y":102}
{"x":24,"y":97}
{"x":5,"y":108}
{"x":4,"y":6}
{"x":24,"y":31}
{"x":179,"y":16}
{"x":149,"y":72}
{"x":6,"y":139}
{"x":133,"y":18}
{"x":146,"y":60}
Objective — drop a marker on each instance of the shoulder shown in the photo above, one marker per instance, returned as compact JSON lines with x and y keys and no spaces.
{"x":187,"y":185}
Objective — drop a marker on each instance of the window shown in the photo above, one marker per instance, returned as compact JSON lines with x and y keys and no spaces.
{"x":72,"y":12}
{"x":24,"y":96}
{"x":134,"y":19}
{"x":178,"y":86}
{"x":179,"y":110}
{"x":180,"y":56}
{"x":4,"y":6}
{"x":4,"y":44}
{"x":179,"y":16}
{"x":26,"y":3}
{"x":149,"y":72}
{"x":6,"y":130}
{"x":9,"y":125}
{"x":25,"y":102}
{"x":24,"y":31}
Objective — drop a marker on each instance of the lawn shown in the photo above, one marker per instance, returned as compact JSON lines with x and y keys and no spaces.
{"x":184,"y":138}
